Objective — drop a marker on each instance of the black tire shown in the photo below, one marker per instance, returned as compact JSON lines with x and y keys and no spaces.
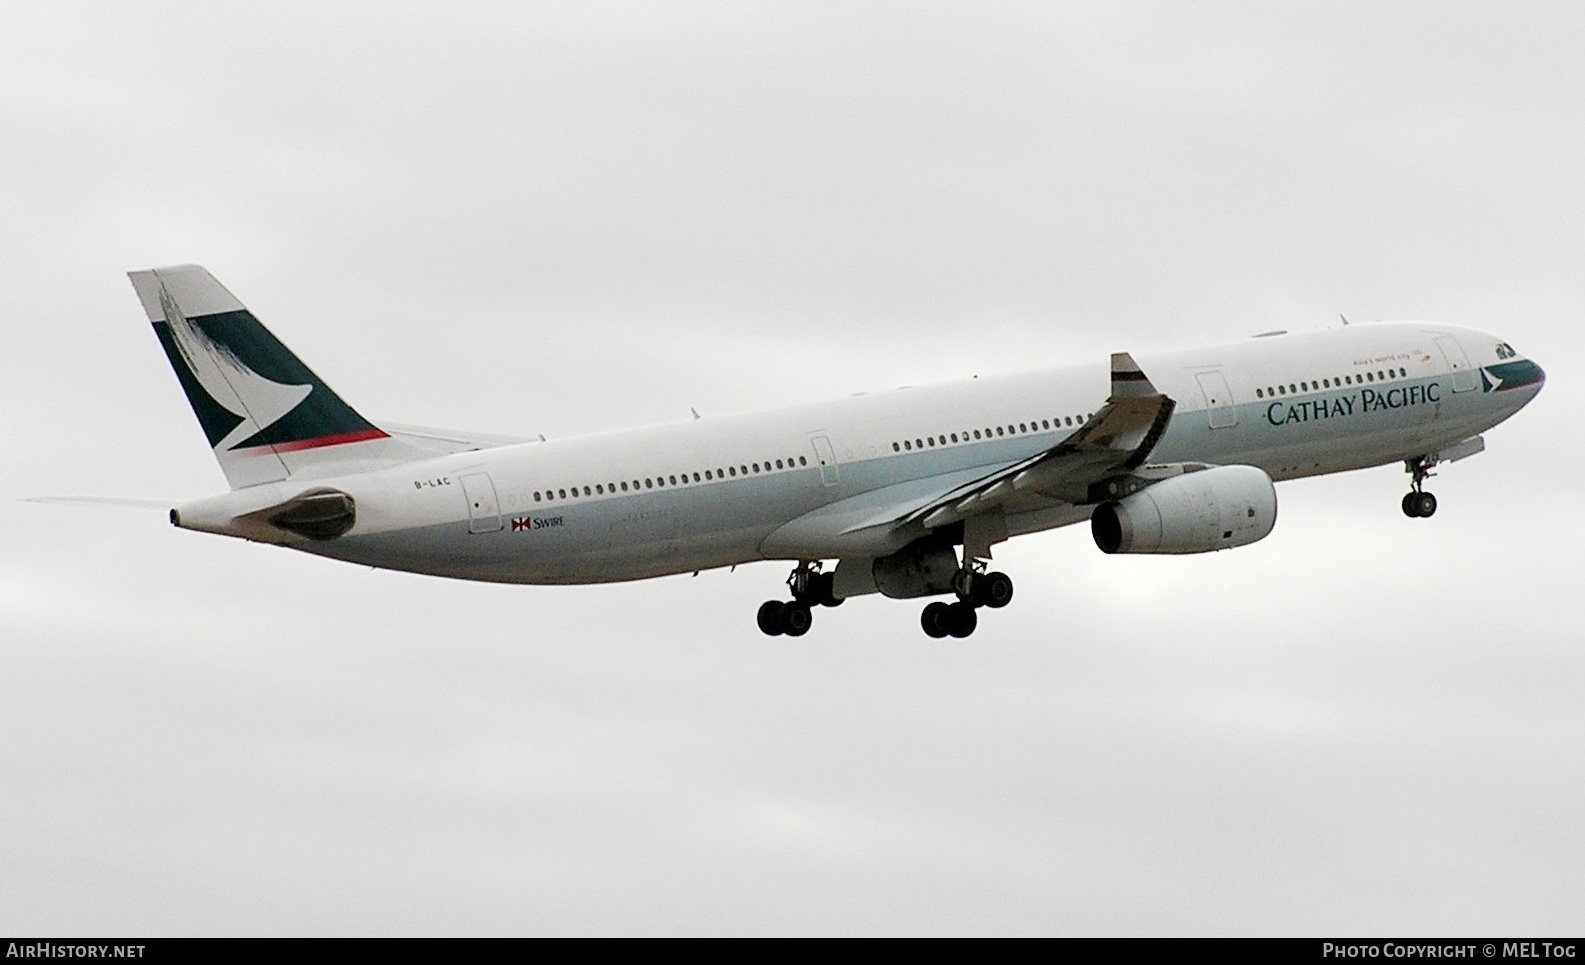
{"x":770,"y":618}
{"x":796,"y":619}
{"x":1409,"y":508}
{"x":994,"y":590}
{"x":935,"y":619}
{"x":961,"y":619}
{"x":1424,"y":505}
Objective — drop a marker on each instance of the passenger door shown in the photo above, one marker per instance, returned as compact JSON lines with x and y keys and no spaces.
{"x":1464,"y":377}
{"x":484,"y":511}
{"x":827,"y":458}
{"x":1218,"y":400}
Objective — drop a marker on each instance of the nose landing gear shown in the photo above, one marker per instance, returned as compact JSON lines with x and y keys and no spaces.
{"x":1417,"y":503}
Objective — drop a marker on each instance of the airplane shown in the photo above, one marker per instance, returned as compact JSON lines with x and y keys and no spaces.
{"x":901,"y":493}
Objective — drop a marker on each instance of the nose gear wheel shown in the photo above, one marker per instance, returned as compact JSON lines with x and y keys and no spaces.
{"x":1417,"y":503}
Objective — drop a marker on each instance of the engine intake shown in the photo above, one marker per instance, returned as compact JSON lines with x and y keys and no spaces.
{"x":1197,"y":512}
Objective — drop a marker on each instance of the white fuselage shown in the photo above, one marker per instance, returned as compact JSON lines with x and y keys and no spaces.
{"x":816,"y":481}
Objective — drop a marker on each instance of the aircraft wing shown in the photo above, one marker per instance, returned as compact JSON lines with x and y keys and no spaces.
{"x":444,"y":441}
{"x":1116,"y":439}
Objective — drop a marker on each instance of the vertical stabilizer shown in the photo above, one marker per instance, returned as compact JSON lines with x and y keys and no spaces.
{"x":267,"y":416}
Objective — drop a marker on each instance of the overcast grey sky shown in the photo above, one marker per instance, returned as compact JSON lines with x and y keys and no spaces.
{"x":523,"y":218}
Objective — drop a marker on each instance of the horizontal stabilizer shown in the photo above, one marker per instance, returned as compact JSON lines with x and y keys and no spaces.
{"x":115,"y":502}
{"x":451,"y":440}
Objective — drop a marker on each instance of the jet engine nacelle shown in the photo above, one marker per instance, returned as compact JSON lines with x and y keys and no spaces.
{"x":1197,"y":512}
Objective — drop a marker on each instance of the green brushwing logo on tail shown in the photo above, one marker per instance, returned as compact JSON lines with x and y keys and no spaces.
{"x":248,"y":390}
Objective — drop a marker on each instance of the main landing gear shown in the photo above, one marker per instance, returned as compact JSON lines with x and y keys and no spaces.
{"x":975,"y":588}
{"x":1417,"y":503}
{"x":810,"y":588}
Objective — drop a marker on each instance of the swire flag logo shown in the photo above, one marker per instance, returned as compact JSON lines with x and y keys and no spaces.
{"x":521,"y":523}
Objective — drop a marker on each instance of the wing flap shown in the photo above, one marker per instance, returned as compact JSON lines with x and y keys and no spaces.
{"x":867,"y":524}
{"x":450,"y":440}
{"x":1118,"y":438}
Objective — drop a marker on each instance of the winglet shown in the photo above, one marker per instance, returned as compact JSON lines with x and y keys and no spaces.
{"x":1128,"y":380}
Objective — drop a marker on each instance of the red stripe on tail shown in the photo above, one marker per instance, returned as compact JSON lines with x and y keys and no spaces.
{"x":363,"y":435}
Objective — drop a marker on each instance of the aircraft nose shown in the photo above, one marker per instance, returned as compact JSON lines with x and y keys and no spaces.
{"x":1533,"y":376}
{"x":1522,"y":374}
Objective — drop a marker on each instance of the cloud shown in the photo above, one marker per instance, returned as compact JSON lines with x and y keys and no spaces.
{"x":532,"y":218}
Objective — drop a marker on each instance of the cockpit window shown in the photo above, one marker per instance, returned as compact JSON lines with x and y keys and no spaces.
{"x":1505,"y":351}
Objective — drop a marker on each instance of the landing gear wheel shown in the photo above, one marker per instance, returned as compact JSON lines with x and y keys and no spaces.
{"x":994,"y":590}
{"x":937,"y":620}
{"x":770,"y":618}
{"x":795,"y":619}
{"x":961,"y":619}
{"x":1408,"y":505}
{"x":1424,"y":505}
